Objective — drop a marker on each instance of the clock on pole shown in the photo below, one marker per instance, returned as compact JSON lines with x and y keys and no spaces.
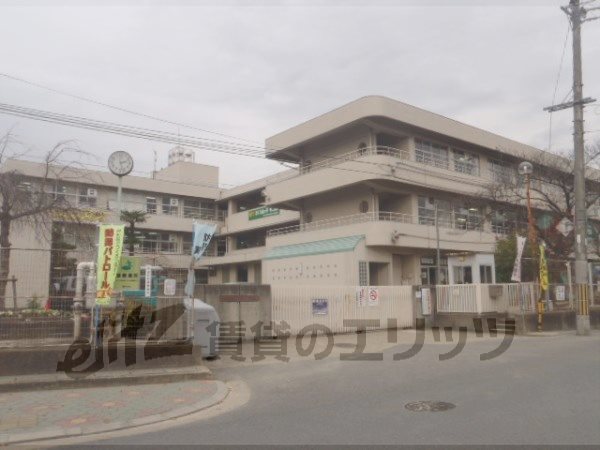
{"x":120,"y":163}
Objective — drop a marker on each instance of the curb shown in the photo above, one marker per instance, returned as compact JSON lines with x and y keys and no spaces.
{"x":107,"y":378}
{"x":60,"y":432}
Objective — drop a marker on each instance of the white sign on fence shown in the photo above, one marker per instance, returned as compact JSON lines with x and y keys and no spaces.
{"x":426,"y":301}
{"x":373,"y":299}
{"x":170,"y":286}
{"x":560,"y":293}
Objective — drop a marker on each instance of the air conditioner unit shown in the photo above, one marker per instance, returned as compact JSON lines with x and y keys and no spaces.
{"x":91,"y":192}
{"x":174,"y":202}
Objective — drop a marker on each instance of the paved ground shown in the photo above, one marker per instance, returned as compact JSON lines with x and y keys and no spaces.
{"x":62,"y":412}
{"x":542,"y":390}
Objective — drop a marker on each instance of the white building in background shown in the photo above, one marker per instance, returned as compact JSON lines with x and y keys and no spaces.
{"x":359,"y":210}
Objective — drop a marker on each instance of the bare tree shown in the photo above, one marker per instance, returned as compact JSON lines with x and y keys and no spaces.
{"x":553,"y":197}
{"x":32,"y":202}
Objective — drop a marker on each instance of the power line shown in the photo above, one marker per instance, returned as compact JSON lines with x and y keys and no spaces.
{"x":132,"y":131}
{"x":560,"y":65}
{"x":118,"y":108}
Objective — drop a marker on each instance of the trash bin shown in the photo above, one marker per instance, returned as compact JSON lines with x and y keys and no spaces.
{"x":206,"y":328}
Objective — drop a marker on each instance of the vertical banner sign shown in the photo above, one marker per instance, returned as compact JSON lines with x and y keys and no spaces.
{"x":516,"y":273}
{"x":543,"y":269}
{"x":202,"y":235}
{"x":110,"y":247}
{"x":148,"y":282}
{"x":361,"y":296}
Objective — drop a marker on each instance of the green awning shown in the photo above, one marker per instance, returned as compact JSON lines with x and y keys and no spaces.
{"x":343,"y":244}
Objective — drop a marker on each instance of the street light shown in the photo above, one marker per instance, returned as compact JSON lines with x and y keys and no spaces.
{"x":526,"y":169}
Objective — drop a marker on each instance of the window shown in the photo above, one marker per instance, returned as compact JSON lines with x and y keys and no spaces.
{"x":431,"y":154}
{"x":201,"y":276}
{"x":485,"y":274}
{"x":186,"y":244}
{"x":449,"y":215}
{"x":151,"y":205}
{"x":466,"y":218}
{"x":363,"y":207}
{"x":466,"y":162}
{"x":221,"y":246}
{"x":308,"y":217}
{"x":197,"y":209}
{"x":500,"y":171}
{"x":250,"y":240}
{"x":503,"y":222}
{"x":242,"y":274}
{"x":363,"y":273}
{"x":156,"y":242}
{"x":170,"y":205}
{"x":463,"y":275}
{"x":86,"y":197}
{"x":362,"y":149}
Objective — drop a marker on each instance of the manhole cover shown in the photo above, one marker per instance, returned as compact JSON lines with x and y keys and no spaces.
{"x":429,"y":406}
{"x":345,"y":345}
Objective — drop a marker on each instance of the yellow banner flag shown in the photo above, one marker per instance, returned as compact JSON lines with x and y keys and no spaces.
{"x":543,"y":269}
{"x":110,"y":247}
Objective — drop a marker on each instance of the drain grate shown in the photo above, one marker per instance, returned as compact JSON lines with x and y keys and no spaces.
{"x":428,"y":405}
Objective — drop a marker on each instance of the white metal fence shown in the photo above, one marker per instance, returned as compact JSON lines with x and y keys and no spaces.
{"x":482,"y":298}
{"x":299,"y":306}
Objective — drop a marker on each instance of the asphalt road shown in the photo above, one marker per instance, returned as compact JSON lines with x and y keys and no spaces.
{"x":542,"y":390}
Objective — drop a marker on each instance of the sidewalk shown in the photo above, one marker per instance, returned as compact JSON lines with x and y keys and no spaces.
{"x":45,"y":414}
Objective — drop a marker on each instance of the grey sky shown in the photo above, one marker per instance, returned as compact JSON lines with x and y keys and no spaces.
{"x":254,"y":71}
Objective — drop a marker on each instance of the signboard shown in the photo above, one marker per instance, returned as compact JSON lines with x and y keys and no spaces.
{"x":110,"y":247}
{"x":426,"y":301}
{"x":361,"y":296}
{"x":320,"y":306}
{"x":128,"y":276}
{"x":373,"y":298}
{"x":516,"y":273}
{"x":170,"y":286}
{"x":262,"y":212}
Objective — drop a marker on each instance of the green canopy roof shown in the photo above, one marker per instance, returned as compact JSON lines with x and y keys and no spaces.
{"x":343,"y":244}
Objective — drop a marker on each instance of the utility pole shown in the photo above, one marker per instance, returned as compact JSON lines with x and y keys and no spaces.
{"x":577,"y":16}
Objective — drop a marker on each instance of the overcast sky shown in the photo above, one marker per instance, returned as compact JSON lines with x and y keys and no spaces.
{"x":253,"y":71}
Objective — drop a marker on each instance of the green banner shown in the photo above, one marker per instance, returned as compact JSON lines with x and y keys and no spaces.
{"x":260,"y":213}
{"x":128,"y":276}
{"x":110,"y":247}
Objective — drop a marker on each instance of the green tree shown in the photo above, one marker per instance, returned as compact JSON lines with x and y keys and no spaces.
{"x":132,"y":218}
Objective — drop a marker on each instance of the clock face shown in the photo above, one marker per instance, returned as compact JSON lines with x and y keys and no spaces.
{"x":120,"y":163}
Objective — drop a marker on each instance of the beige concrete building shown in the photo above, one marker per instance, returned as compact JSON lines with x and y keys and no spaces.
{"x":358,"y":210}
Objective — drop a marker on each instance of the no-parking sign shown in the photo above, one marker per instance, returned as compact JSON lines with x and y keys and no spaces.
{"x":373,"y":298}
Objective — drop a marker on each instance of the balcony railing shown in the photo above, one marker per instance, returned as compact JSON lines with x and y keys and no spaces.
{"x":343,"y":220}
{"x":419,"y":157}
{"x":381,"y":216}
{"x":359,"y":153}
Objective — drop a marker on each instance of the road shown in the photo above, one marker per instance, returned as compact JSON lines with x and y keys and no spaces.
{"x":542,"y":390}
